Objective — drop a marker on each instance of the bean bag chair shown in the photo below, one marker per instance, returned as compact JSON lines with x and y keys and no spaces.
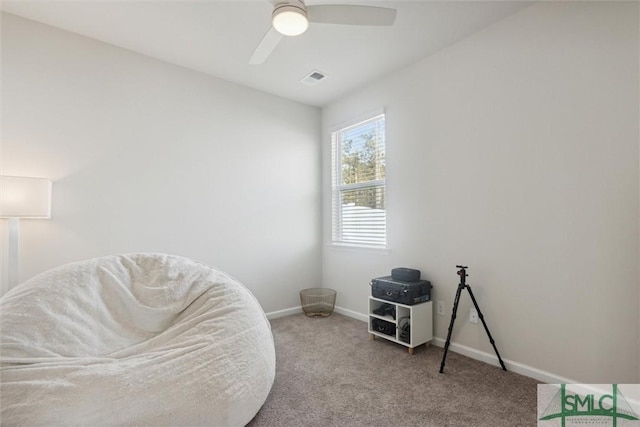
{"x":140,"y":339}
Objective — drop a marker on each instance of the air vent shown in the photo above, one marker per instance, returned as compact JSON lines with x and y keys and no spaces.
{"x":313,"y":78}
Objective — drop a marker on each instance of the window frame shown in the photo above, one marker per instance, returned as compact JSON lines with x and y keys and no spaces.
{"x":338,"y":188}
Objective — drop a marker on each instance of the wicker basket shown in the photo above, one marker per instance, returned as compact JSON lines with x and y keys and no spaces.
{"x":318,"y":302}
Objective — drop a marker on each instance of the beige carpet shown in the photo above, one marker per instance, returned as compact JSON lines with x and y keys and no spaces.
{"x":330,"y":373}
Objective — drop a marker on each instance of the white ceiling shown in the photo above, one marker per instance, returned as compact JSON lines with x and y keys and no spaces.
{"x":218,"y":37}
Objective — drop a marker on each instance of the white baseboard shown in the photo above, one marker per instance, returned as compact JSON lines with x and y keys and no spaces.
{"x":285,"y":312}
{"x":296,"y":310}
{"x":351,"y":313}
{"x":492,"y":359}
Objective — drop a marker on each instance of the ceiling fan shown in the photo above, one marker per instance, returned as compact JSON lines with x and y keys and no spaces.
{"x":292,"y":18}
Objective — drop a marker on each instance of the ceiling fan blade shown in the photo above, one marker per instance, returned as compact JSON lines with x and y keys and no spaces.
{"x":351,"y":15}
{"x":266,"y":46}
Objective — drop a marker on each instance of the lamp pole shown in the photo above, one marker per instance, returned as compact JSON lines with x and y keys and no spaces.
{"x":21,"y":197}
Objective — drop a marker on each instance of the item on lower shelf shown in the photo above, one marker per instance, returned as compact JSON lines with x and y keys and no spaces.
{"x":404,"y":325}
{"x":384,"y":327}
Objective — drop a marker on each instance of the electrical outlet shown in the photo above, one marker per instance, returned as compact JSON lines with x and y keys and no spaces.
{"x":441,"y":308}
{"x":473,"y":316}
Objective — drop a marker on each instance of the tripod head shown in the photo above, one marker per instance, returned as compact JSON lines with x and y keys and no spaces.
{"x":463,"y":274}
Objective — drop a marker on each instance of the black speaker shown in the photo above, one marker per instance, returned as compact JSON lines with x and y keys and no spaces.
{"x":384,"y":327}
{"x":405,"y":274}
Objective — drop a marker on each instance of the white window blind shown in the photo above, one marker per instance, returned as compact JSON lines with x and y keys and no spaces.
{"x":358,"y":184}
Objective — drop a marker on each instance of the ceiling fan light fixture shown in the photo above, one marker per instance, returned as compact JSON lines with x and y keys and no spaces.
{"x":290,"y":20}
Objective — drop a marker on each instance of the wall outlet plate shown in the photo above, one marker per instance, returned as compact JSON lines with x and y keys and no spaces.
{"x":441,"y":308}
{"x":473,"y":316}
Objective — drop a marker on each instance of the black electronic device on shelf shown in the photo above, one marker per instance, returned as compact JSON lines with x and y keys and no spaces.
{"x":386,"y":310}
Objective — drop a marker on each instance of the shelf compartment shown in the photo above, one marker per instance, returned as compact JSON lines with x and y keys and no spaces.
{"x":384,"y":327}
{"x":383,"y":310}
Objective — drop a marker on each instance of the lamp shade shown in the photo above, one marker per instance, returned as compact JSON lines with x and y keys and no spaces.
{"x":25,"y":197}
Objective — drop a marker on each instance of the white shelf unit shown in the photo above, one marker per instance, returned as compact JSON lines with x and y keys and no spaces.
{"x":420,"y":319}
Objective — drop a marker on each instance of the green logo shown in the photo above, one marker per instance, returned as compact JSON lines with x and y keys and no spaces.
{"x":566,"y":404}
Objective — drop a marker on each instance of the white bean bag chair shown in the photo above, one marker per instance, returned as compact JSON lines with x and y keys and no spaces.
{"x":142,"y":339}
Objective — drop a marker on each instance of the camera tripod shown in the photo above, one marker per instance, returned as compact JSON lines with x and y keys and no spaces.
{"x":462,"y":285}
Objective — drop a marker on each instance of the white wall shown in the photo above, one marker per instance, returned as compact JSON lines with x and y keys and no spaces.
{"x":515,"y":152}
{"x":147,"y":156}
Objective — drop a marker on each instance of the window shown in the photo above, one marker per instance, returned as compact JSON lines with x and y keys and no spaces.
{"x":358,"y":184}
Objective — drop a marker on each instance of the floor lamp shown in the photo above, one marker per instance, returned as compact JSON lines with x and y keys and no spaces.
{"x":22,"y":197}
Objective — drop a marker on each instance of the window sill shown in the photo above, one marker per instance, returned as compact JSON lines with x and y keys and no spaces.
{"x":344,"y":247}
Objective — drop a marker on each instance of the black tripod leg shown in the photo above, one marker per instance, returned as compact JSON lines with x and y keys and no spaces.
{"x":453,"y":318}
{"x":486,"y":328}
